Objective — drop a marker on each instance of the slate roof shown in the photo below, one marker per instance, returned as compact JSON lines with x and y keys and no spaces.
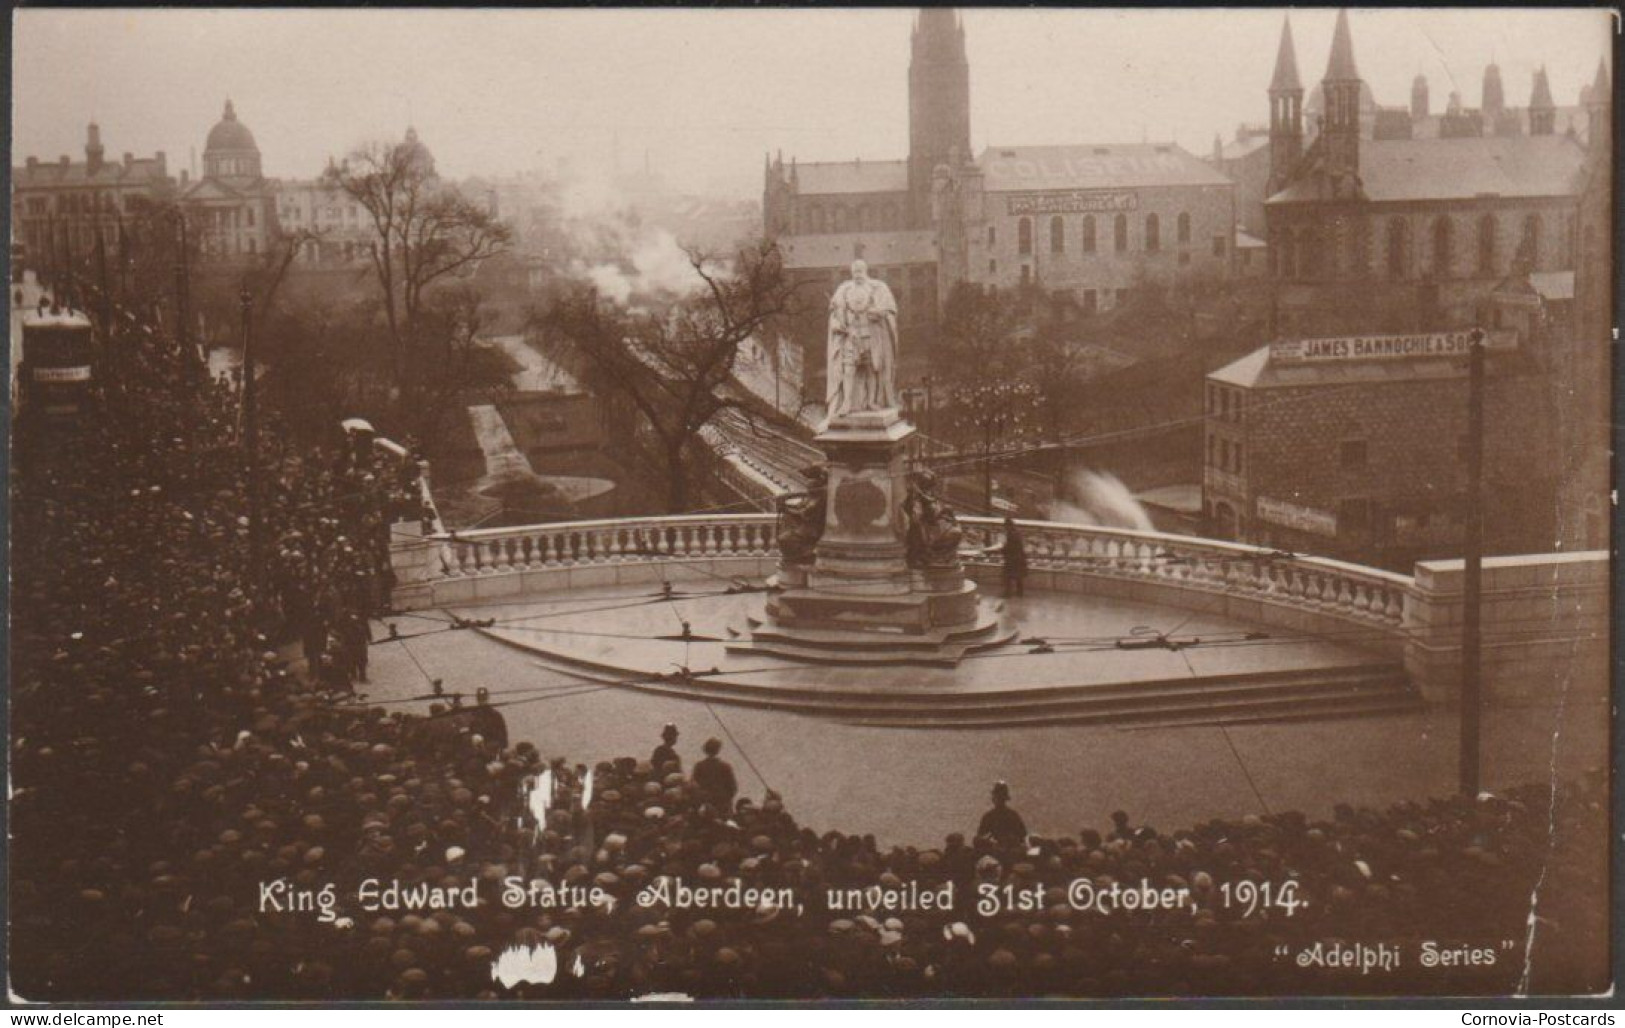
{"x":77,"y":173}
{"x":830,"y":177}
{"x":1117,"y":166}
{"x":1394,"y":170}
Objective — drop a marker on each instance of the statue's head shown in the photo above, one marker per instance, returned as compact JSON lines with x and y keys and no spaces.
{"x":860,"y":270}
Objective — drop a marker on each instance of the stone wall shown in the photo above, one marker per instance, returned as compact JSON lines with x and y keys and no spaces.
{"x":1545,"y":627}
{"x":998,"y":261}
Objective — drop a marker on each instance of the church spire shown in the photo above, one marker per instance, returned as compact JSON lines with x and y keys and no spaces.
{"x":1542,"y":110}
{"x":1340,"y":132}
{"x":1286,"y":62}
{"x":1286,"y":110}
{"x":1341,"y":66}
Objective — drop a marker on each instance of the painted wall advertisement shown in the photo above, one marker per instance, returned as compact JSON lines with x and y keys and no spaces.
{"x":1383,"y":347}
{"x":1291,"y":515}
{"x":1073,"y":201}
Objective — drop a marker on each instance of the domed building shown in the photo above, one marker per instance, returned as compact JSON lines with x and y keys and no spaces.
{"x":231,"y":152}
{"x":418,"y":153}
{"x":232,"y":207}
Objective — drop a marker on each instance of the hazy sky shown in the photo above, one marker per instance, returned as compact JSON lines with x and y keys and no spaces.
{"x":707,"y":92}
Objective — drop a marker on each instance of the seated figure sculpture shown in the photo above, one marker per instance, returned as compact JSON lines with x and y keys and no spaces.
{"x":801,"y":518}
{"x":933,"y":531}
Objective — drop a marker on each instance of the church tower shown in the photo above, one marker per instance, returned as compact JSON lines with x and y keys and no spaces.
{"x":1340,"y":133}
{"x":1420,"y":107}
{"x":938,"y":105}
{"x":1286,"y":111}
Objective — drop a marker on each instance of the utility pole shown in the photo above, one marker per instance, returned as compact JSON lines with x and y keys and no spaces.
{"x":930,"y":417}
{"x":251,"y":436}
{"x":182,"y":331}
{"x":1473,"y":573}
{"x":105,"y":284}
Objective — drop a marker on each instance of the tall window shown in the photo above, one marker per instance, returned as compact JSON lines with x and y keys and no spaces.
{"x":1287,"y":258}
{"x":1153,"y":233}
{"x":1024,"y":236}
{"x":1486,"y":245}
{"x":1399,"y":249}
{"x":1120,"y":233}
{"x":1443,"y":247}
{"x":1529,"y":247}
{"x":1088,"y":233}
{"x":1057,"y":235}
{"x":992,"y":237}
{"x":1184,"y":226}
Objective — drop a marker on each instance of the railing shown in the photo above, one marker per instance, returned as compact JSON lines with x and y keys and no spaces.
{"x":1349,"y":591}
{"x":622,"y":540}
{"x":1331,"y":588}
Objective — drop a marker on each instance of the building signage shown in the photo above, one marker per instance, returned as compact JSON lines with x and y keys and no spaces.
{"x":1365,"y":348}
{"x":1290,"y":515}
{"x":1073,"y":201}
{"x":75,"y":374}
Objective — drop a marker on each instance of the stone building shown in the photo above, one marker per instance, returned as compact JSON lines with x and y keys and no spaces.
{"x":232,"y":206}
{"x":1352,"y":446}
{"x":334,"y":228}
{"x":58,"y":208}
{"x":1385,"y":231}
{"x":1085,"y":223}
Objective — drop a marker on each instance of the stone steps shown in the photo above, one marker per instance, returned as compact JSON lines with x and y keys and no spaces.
{"x":1355,"y":690}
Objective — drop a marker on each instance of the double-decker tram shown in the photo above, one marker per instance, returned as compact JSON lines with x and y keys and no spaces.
{"x":58,"y":364}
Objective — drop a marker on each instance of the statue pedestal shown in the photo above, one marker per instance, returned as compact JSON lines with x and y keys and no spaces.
{"x":859,"y":601}
{"x":861,"y":552}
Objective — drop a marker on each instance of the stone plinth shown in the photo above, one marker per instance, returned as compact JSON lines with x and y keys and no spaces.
{"x":858,"y":601}
{"x":861,"y":552}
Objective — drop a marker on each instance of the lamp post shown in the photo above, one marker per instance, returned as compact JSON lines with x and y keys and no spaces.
{"x":181,"y":299}
{"x":251,"y":435}
{"x":1473,"y":573}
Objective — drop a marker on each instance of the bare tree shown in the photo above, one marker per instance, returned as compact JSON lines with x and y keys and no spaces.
{"x":424,"y":231}
{"x":674,"y":364}
{"x":987,"y":362}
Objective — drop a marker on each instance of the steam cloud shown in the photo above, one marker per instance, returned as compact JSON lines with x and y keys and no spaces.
{"x":1102,"y":500}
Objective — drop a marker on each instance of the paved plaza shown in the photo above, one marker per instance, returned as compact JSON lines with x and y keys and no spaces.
{"x":912,"y":786}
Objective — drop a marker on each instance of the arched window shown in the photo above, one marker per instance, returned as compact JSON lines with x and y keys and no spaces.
{"x":1024,"y":236}
{"x":1399,"y":249}
{"x":1153,"y":233}
{"x":1444,"y":254}
{"x":1184,"y":226}
{"x":1120,"y":233}
{"x":992,"y":237}
{"x":1057,"y":235}
{"x":1088,"y":233}
{"x":837,"y":221}
{"x":1529,"y":246}
{"x":1486,"y":245}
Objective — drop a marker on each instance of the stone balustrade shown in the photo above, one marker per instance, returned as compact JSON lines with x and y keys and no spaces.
{"x":1546,"y":615}
{"x":1228,"y":578}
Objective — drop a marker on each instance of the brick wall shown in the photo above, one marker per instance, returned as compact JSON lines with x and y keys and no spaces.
{"x":1412,"y":472}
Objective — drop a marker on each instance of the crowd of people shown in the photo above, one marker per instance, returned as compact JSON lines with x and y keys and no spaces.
{"x":194,"y":818}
